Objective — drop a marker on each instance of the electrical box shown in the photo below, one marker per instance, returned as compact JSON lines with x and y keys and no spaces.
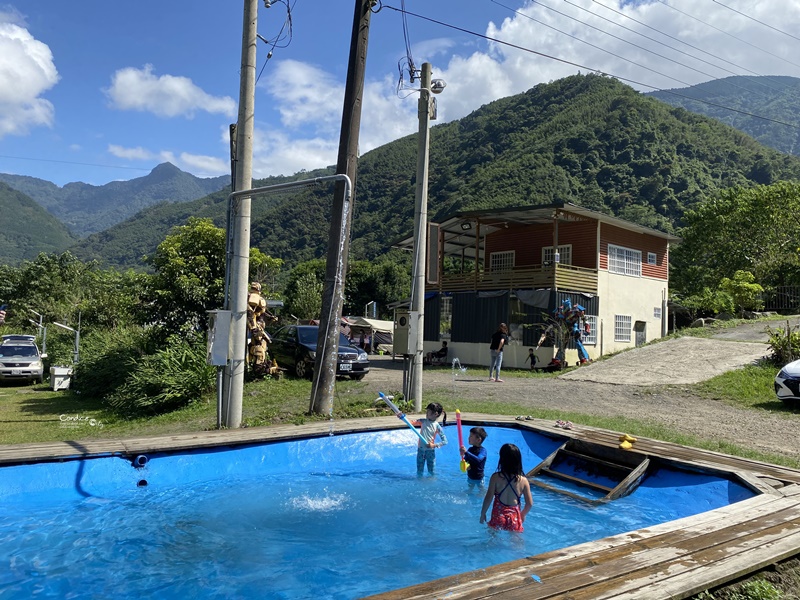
{"x":401,"y":331}
{"x":219,"y":330}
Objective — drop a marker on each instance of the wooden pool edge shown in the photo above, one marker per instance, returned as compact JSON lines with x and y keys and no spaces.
{"x":673,"y":560}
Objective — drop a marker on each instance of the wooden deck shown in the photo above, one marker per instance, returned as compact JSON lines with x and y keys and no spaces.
{"x":561,"y":276}
{"x":672,"y":560}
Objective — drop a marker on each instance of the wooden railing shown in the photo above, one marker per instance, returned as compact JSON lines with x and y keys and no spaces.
{"x":561,"y":276}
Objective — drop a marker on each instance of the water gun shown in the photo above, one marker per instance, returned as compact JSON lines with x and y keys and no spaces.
{"x":464,"y":465}
{"x":403,"y":417}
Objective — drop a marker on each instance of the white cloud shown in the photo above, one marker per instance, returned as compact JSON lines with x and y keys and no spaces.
{"x":137,"y":153}
{"x":203,"y":166}
{"x":164,"y":96}
{"x":306,"y":95}
{"x":27,"y":71}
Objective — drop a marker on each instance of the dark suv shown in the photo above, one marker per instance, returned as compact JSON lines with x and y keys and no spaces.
{"x":295,"y":347}
{"x":20,"y":360}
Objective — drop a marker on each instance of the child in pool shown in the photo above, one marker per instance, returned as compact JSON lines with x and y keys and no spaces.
{"x":508,"y":485}
{"x":429,"y":428}
{"x":475,"y":456}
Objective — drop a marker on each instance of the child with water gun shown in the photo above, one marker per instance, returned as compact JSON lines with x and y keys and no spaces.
{"x":475,"y":457}
{"x":429,"y":429}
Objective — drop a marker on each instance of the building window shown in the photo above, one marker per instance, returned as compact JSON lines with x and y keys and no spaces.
{"x":656,"y":312}
{"x":622,"y":328}
{"x":624,"y":261}
{"x":652,"y":259}
{"x":501,"y":261}
{"x":445,"y":317}
{"x":590,"y":339}
{"x":564,"y":255}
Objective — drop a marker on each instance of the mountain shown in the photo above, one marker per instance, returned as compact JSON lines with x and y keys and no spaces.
{"x":772,"y":97}
{"x":27,"y":229}
{"x":87,"y":209}
{"x":590,"y":140}
{"x":126,"y":244}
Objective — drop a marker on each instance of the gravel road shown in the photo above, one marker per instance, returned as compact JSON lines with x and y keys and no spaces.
{"x":651,"y":383}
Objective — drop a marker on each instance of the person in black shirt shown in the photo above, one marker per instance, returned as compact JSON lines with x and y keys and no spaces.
{"x":499,"y":340}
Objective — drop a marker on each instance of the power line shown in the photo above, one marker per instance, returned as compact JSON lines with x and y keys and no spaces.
{"x":593,"y":70}
{"x":603,"y":49}
{"x":69,"y":162}
{"x":665,"y":45}
{"x":729,"y":34}
{"x":756,"y":20}
{"x":643,"y":24}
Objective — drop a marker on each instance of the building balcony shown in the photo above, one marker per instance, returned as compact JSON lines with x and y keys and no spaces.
{"x":558,"y":276}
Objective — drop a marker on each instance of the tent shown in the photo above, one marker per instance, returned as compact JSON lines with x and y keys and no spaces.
{"x":379,"y":331}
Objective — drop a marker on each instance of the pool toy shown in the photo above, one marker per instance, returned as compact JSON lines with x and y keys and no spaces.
{"x":402,"y":417}
{"x":464,"y":465}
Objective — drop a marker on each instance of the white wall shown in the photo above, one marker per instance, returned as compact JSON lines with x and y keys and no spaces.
{"x":637,"y":297}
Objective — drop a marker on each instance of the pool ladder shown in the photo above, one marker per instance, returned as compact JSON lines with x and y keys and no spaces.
{"x":593,"y":466}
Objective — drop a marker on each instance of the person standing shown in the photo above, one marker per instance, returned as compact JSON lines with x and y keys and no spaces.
{"x":499,"y":341}
{"x":509,"y":487}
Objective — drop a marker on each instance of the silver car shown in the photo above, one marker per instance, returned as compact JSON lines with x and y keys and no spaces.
{"x":20,"y":361}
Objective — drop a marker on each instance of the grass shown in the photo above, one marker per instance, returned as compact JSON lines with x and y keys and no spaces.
{"x":34,"y":413}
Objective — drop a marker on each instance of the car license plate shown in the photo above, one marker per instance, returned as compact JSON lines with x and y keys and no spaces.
{"x":16,"y":371}
{"x":346,"y":367}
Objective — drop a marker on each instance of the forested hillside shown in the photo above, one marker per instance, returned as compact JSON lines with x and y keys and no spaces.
{"x":774,"y":98}
{"x":27,"y":229}
{"x":589,"y":140}
{"x":86,"y":209}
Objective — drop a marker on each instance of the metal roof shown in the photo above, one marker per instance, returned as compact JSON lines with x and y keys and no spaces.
{"x":461,"y":228}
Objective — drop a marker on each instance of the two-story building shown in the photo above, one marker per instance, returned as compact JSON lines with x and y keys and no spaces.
{"x":517,"y":265}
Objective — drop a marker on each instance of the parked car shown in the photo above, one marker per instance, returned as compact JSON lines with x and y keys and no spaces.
{"x":787,"y":383}
{"x":18,"y":337}
{"x":20,"y":360}
{"x":295,"y":347}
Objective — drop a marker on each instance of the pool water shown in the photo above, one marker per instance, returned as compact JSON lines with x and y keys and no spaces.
{"x":335,"y":517}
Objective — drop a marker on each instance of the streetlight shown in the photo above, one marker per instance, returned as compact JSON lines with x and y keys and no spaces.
{"x":75,"y":353}
{"x":42,"y":331}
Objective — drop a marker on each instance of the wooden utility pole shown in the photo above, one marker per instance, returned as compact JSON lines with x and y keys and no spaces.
{"x":341,"y":216}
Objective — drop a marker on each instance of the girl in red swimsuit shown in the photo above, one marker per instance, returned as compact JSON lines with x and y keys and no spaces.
{"x":508,"y":486}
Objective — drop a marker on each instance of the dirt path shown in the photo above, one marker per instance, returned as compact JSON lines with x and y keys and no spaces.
{"x":647,"y":384}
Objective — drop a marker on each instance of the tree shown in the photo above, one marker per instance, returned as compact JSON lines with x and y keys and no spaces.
{"x":190,"y":275}
{"x":746,"y":294}
{"x":754,"y":230}
{"x":265,"y":268}
{"x":306,"y":300}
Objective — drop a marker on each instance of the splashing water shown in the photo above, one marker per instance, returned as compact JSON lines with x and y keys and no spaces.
{"x":327,"y":502}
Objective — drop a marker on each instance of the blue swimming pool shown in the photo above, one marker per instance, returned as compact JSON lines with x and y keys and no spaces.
{"x":334,"y":517}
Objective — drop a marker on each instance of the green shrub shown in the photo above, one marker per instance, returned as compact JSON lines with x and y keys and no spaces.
{"x":757,"y":589}
{"x":173,"y":377}
{"x":107,"y":358}
{"x":784,"y":344}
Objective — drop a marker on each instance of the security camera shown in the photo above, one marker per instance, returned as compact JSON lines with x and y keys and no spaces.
{"x":437,"y":85}
{"x":267,"y":3}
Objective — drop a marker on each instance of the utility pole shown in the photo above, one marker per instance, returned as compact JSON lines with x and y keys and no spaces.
{"x":341,"y":216}
{"x":417,"y":316}
{"x":240,"y":222}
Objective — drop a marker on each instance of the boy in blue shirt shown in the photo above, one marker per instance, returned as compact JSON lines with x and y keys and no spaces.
{"x":475,"y":456}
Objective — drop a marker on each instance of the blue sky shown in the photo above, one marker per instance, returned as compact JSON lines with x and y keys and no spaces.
{"x":97,"y":91}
